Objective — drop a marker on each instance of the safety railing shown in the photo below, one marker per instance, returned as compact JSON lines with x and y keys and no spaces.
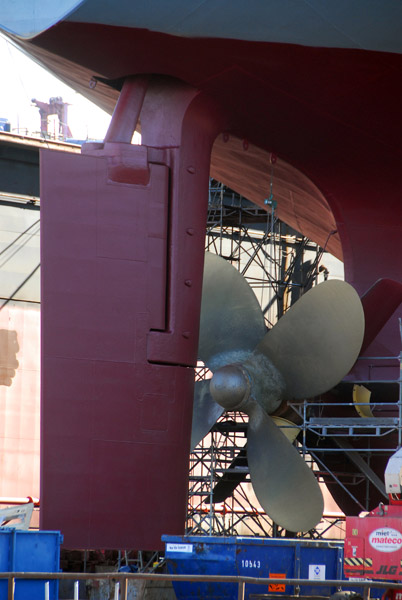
{"x":121,"y":581}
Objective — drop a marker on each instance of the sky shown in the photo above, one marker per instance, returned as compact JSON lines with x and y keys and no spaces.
{"x":22,"y":79}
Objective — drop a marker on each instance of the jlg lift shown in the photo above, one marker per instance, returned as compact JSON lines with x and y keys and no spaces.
{"x":373,"y":544}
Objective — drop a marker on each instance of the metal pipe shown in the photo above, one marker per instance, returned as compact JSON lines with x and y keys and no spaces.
{"x":124,"y":589}
{"x":11,"y":588}
{"x":200,"y":578}
{"x":127,"y":110}
{"x":17,"y":501}
{"x":366,"y":593}
{"x":240,"y":592}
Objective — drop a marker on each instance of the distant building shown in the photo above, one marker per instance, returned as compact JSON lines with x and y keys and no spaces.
{"x":5,"y":124}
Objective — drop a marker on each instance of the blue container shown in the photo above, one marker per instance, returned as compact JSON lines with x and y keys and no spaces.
{"x":29,"y":551}
{"x":253,"y":557}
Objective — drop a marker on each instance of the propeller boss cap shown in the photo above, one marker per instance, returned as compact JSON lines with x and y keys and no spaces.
{"x":230,"y":386}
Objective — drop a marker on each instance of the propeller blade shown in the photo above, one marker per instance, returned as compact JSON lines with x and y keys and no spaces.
{"x":283,"y":483}
{"x":205,"y":412}
{"x":316,"y":343}
{"x":233,"y":476}
{"x":238,"y":469}
{"x":231,"y":322}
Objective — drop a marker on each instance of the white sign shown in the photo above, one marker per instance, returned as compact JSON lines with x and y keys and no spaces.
{"x":179,"y":548}
{"x":385,"y":539}
{"x":316,"y":572}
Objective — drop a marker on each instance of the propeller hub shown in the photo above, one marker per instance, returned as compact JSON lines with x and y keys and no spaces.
{"x":230,"y":387}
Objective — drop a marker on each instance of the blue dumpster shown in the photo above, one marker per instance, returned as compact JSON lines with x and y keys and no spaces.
{"x":29,"y":551}
{"x":253,"y":557}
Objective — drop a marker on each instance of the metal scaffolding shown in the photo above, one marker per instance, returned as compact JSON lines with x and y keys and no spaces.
{"x":280,"y":265}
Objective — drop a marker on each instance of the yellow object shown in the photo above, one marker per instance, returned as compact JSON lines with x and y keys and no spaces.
{"x":362,"y":395}
{"x":288,"y":428}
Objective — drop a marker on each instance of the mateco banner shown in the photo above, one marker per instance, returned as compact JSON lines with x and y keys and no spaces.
{"x":385,"y":539}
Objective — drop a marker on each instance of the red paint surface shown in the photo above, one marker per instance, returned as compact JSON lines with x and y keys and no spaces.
{"x":379,"y":304}
{"x":332,"y":113}
{"x":111,"y":420}
{"x":20,"y":401}
{"x":373,"y":545}
{"x":120,"y":314}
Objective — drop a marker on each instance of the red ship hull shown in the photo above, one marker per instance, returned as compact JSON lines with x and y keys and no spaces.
{"x":331,"y":116}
